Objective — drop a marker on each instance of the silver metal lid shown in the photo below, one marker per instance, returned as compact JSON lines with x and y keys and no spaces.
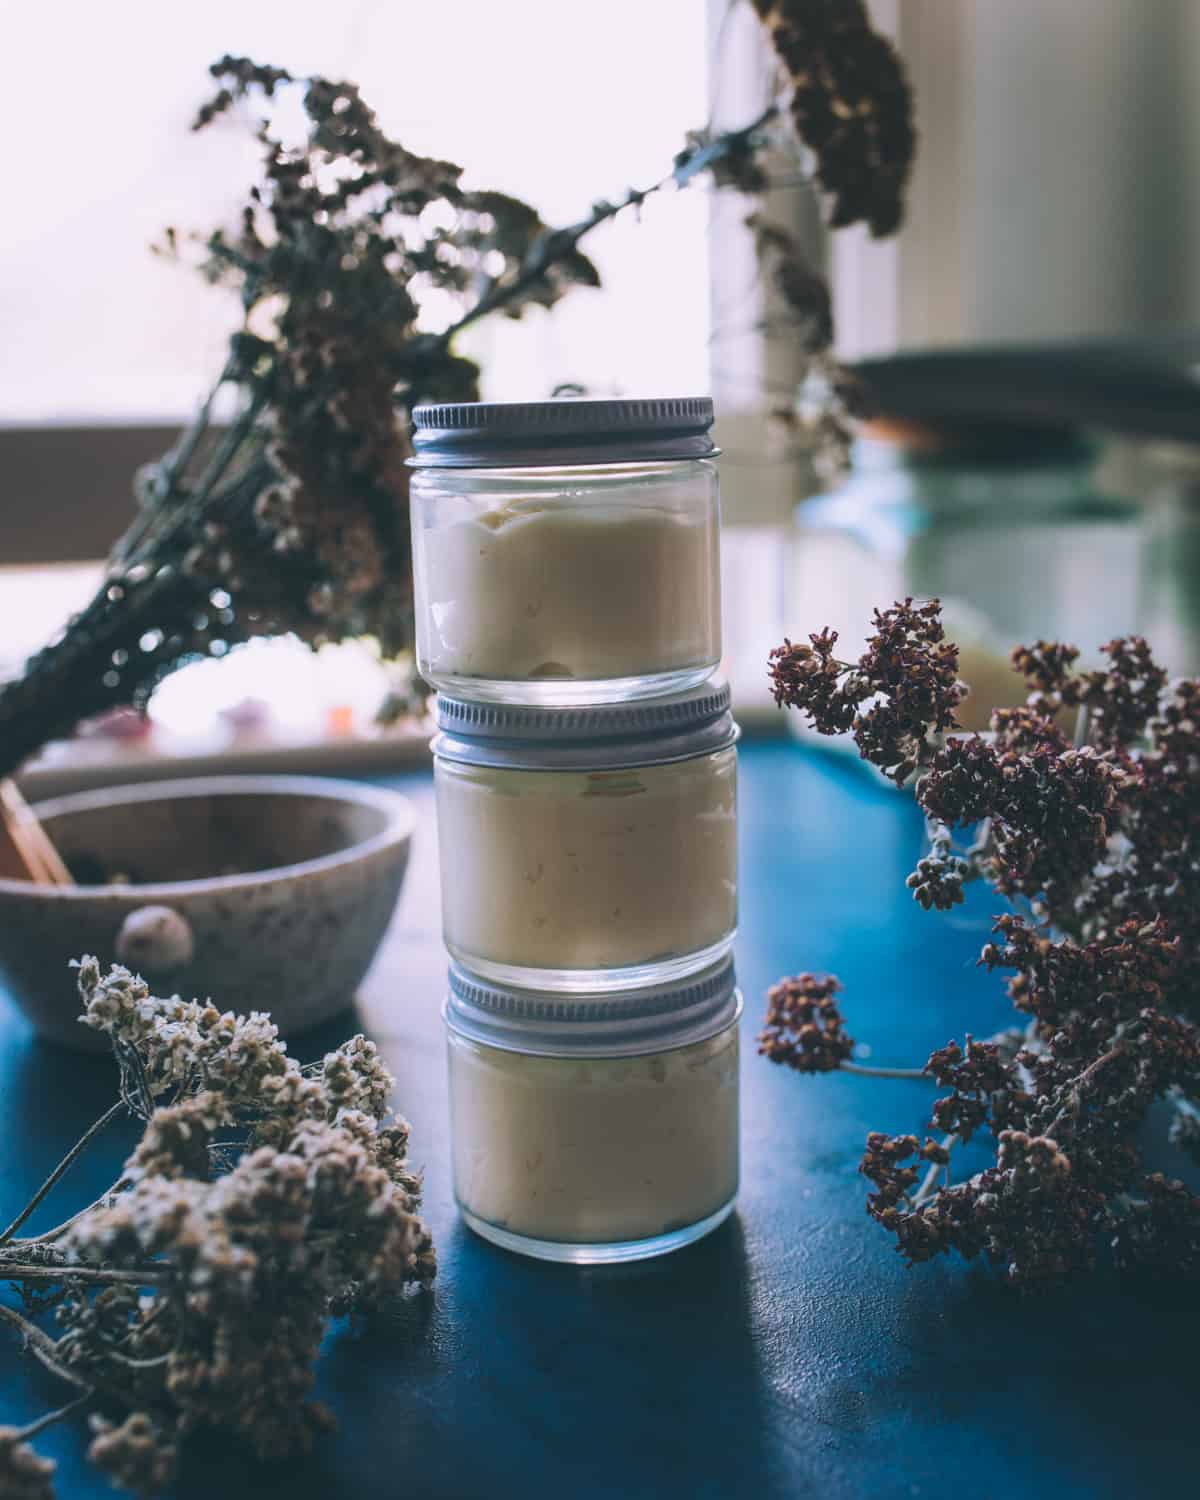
{"x":630,"y":1023}
{"x":604,"y":736}
{"x":530,"y":434}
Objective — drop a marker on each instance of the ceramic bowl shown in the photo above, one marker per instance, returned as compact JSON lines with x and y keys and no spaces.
{"x":261,"y":892}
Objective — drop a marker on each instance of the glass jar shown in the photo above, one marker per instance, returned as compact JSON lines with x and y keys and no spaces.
{"x":588,"y":849}
{"x":1004,"y":524}
{"x":1170,"y":613}
{"x":566,"y":552}
{"x":603,"y":1129}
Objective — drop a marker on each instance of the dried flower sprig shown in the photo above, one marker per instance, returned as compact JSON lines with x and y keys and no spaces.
{"x":804,"y":1027}
{"x":262,"y":1199}
{"x":294,"y":517}
{"x":902,"y":690}
{"x":1099,"y":843}
{"x":850,"y":104}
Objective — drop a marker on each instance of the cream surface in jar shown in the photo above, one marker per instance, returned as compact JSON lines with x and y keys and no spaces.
{"x":594,"y":1129}
{"x":588,"y":849}
{"x":566,"y":552}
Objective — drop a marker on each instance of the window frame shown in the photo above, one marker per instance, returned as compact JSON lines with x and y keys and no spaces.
{"x":68,"y":487}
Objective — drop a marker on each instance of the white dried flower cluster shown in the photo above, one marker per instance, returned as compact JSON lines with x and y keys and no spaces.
{"x":315,"y":1216}
{"x":355,"y":1077}
{"x":184,"y":1045}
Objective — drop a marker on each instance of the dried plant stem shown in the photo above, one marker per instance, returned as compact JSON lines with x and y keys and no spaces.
{"x":156,"y":1362}
{"x":31,"y":1430}
{"x":76,"y":1150}
{"x":561,"y":242}
{"x":929,"y":1183}
{"x":171,"y":470}
{"x":43,"y":1348}
{"x":1184,"y":1105}
{"x":50,"y":1235}
{"x":1074,"y":1101}
{"x":100,"y":1275}
{"x":867,"y":1070}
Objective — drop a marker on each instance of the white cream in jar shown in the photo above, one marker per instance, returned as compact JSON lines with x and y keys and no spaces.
{"x":566,"y":552}
{"x":588,"y":849}
{"x":594,"y":1129}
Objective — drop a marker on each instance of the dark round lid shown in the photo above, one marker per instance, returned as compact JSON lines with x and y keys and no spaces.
{"x":1143,"y":387}
{"x":949,"y":443}
{"x":528,"y":434}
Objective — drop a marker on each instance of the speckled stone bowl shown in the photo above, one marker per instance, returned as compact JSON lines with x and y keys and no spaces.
{"x":277,"y":891}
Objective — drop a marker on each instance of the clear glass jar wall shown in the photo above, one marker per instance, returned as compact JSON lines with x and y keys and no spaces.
{"x":595,"y":1158}
{"x":589,"y":879}
{"x":1170,"y":598}
{"x":567,"y":585}
{"x":1018,"y":546}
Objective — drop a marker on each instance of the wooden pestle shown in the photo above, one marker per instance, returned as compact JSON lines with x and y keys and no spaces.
{"x":26,"y":852}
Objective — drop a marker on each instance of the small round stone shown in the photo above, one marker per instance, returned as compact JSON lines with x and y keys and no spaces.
{"x":155,"y":940}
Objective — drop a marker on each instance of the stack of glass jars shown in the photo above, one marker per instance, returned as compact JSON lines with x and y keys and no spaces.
{"x":566,"y":565}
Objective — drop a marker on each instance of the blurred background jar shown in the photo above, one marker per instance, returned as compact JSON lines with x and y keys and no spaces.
{"x":1170,"y":583}
{"x":1004,"y":521}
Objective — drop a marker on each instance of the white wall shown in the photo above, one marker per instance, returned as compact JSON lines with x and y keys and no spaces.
{"x":1057,"y":187}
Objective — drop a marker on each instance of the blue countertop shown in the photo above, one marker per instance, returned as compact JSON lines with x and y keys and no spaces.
{"x":789,"y":1354}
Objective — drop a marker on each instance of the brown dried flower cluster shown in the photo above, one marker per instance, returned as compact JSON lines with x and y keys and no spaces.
{"x":938,"y":880}
{"x":24,"y":1474}
{"x":1099,"y":842}
{"x":850,"y":104}
{"x":262,"y":1199}
{"x":804,"y":1027}
{"x":902,"y":690}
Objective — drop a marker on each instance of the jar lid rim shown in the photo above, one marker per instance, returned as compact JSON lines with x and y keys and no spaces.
{"x":492,"y":434}
{"x":628,"y":1023}
{"x":600,"y":736}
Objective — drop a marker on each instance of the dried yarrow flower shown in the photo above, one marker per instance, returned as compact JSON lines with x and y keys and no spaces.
{"x":262,"y":1200}
{"x":850,"y":104}
{"x":975,"y":1073}
{"x":903,"y":688}
{"x":804,"y":1027}
{"x":1162,"y":1230}
{"x":1048,"y":669}
{"x":803,"y":290}
{"x":1110,"y":977}
{"x":1097,"y":842}
{"x":1050,"y":810}
{"x":1023,"y":730}
{"x":24,"y":1474}
{"x":887,"y":1163}
{"x":135,"y":1454}
{"x":909,"y":662}
{"x":938,"y":880}
{"x":1124,"y":698}
{"x":1176,"y":729}
{"x":810,"y":678}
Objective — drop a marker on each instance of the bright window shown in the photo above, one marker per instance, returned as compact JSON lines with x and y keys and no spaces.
{"x":558,"y":105}
{"x":561,"y":105}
